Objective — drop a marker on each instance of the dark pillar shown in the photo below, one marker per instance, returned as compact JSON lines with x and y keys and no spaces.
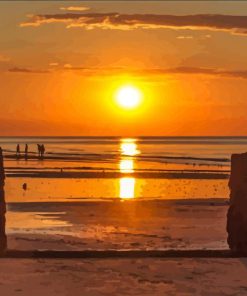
{"x":237,"y":213}
{"x":3,"y":237}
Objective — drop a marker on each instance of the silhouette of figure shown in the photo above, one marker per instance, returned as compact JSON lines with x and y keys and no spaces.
{"x":18,"y":151}
{"x":39,"y":150}
{"x":26,"y":151}
{"x":42,"y":150}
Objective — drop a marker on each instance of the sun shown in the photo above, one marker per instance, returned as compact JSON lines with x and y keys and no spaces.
{"x":128,"y":97}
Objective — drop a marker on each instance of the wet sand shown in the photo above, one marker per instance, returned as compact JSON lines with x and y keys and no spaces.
{"x":95,"y":277}
{"x":118,"y":225}
{"x":121,"y":225}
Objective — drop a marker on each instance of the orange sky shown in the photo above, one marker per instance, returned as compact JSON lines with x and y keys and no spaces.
{"x":61,"y":64}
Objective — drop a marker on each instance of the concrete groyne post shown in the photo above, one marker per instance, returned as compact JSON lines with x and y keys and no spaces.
{"x":237,"y":212}
{"x":3,"y":237}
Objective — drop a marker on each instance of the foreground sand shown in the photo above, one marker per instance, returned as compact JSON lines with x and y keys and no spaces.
{"x":143,"y":225}
{"x":123,"y":277}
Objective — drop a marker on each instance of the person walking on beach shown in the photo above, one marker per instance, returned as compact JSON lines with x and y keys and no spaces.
{"x":39,"y":150}
{"x":18,"y":152}
{"x":26,"y":151}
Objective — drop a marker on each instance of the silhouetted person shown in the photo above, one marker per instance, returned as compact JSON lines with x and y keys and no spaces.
{"x":42,"y":150}
{"x":39,"y":150}
{"x":18,"y":151}
{"x":3,"y":237}
{"x":26,"y":151}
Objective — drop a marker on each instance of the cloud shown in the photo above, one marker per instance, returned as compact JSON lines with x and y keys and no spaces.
{"x":75,"y":8}
{"x":202,"y":71}
{"x":141,"y":73}
{"x":112,"y":71}
{"x":26,"y":70}
{"x":208,"y":71}
{"x":160,"y":71}
{"x":213,"y":22}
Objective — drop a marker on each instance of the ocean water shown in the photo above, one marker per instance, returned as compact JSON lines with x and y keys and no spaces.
{"x":200,"y":147}
{"x":110,"y":192}
{"x":82,"y":168}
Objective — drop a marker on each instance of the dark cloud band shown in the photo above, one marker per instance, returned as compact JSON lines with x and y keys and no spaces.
{"x":215,"y":22}
{"x":140,"y":72}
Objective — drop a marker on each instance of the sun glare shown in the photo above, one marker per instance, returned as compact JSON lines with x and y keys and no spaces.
{"x":126,"y":166}
{"x":127,"y":188}
{"x":128,"y":97}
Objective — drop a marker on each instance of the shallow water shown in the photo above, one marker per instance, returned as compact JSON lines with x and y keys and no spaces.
{"x":126,"y":157}
{"x":126,"y":224}
{"x":39,"y":189}
{"x":53,"y":221}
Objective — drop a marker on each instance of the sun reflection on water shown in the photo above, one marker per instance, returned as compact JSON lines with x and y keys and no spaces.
{"x":127,"y":187}
{"x":128,"y":149}
{"x":126,"y":166}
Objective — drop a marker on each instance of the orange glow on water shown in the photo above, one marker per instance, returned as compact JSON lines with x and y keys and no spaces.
{"x":127,"y":187}
{"x":126,"y":166}
{"x":128,"y":149}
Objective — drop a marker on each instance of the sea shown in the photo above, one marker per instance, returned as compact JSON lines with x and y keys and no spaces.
{"x":82,"y":168}
{"x":81,"y":172}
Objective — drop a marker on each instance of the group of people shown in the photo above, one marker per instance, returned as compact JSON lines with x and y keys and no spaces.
{"x":41,"y":151}
{"x":18,"y":150}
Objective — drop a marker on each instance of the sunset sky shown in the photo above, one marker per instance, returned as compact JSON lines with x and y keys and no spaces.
{"x":62,"y":63}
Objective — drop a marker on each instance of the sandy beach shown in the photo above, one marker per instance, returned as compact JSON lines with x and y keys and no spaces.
{"x":115,"y":200}
{"x":95,"y":277}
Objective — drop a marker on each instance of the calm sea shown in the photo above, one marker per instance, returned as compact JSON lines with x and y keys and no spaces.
{"x":68,"y":200}
{"x":148,"y":156}
{"x":201,"y":147}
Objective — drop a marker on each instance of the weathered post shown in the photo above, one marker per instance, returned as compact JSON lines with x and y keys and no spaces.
{"x":237,"y":212}
{"x":3,"y":237}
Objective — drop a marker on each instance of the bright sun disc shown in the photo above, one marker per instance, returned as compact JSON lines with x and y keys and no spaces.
{"x":128,"y":97}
